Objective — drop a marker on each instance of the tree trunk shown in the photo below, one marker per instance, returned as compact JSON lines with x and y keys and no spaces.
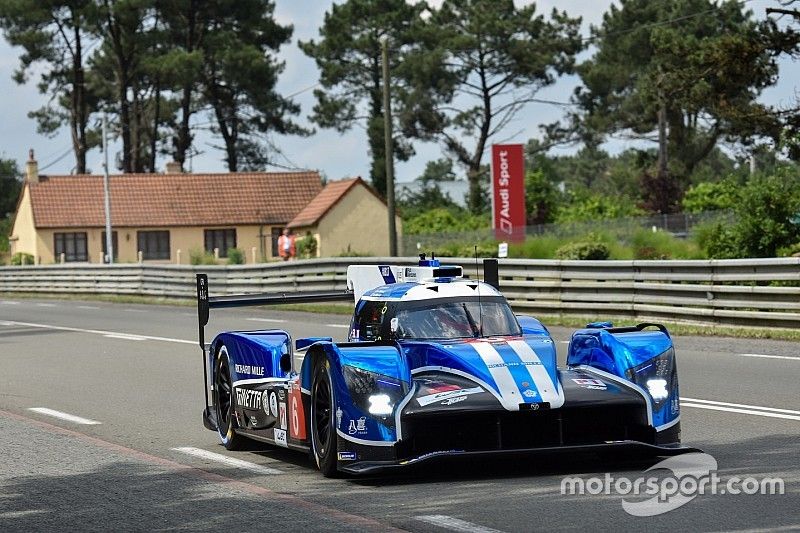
{"x":377,"y":145}
{"x":79,"y":113}
{"x":156,"y":119}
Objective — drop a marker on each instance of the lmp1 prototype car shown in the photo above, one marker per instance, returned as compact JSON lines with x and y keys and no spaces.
{"x":436,"y":365}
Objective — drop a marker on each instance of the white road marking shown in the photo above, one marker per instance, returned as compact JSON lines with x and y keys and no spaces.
{"x":134,"y":310}
{"x":5,"y":323}
{"x":769,"y":356}
{"x":229,"y":461}
{"x":99,"y":332}
{"x":345,"y":326}
{"x":8,"y":302}
{"x":64,"y":416}
{"x":454,"y":524}
{"x":20,"y":514}
{"x":124,"y":336}
{"x":726,"y":404}
{"x":276,"y":320}
{"x":88,"y":307}
{"x":45,"y":305}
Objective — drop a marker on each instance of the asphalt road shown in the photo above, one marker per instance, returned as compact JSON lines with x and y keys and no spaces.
{"x":137,"y":458}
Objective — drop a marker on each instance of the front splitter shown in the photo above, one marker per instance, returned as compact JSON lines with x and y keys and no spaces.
{"x":371,"y":467}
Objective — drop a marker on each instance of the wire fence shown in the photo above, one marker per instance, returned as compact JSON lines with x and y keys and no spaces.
{"x":678,"y":224}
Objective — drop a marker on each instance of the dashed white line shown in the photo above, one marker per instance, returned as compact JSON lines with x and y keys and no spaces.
{"x":769,"y":412}
{"x":229,"y":461}
{"x":88,"y":307}
{"x":134,"y":310}
{"x":454,"y":524}
{"x":789,"y":357}
{"x":8,"y":302}
{"x":276,"y":320}
{"x":98,"y":332}
{"x":337,"y":326}
{"x":64,"y":416}
{"x":45,"y":305}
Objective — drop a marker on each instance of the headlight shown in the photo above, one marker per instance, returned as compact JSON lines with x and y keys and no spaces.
{"x":373,"y":393}
{"x":658,"y":376}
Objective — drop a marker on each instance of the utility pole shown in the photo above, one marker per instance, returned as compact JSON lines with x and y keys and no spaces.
{"x":387,"y":135}
{"x":109,"y":240}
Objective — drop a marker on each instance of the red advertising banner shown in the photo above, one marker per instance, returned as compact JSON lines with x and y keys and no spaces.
{"x":508,"y":192}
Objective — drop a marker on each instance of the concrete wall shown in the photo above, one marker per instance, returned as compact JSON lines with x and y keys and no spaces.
{"x":184,"y":239}
{"x":357,"y":224}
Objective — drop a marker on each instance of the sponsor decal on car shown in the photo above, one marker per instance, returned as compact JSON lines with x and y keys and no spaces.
{"x":249,"y":369}
{"x":249,"y":399}
{"x":528,"y":393}
{"x":338,"y":418}
{"x":347,"y":456}
{"x":280,"y":437}
{"x":282,"y":418}
{"x":451,"y":401}
{"x":440,"y":396}
{"x":357,"y":426}
{"x":272,"y":405}
{"x":587,"y":383}
{"x":297,"y":414}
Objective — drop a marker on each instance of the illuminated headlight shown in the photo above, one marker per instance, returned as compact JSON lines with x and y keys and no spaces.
{"x":373,"y":393}
{"x":658,"y":376}
{"x":380,"y":405}
{"x":657,"y":389}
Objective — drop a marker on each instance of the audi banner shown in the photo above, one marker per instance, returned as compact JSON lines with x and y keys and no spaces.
{"x":508,"y":192}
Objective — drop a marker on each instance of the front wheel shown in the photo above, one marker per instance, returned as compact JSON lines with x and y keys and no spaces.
{"x":223,"y":402}
{"x":323,"y":429}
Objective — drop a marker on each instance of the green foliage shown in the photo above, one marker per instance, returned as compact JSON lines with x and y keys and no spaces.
{"x":430,"y":197}
{"x":647,"y":244}
{"x":235,"y":256}
{"x":306,"y":246}
{"x":10,"y":186}
{"x":767,"y":220}
{"x":710,"y":196}
{"x":541,"y":198}
{"x":584,"y":251}
{"x":6,"y":225}
{"x":198,"y":256}
{"x":543,"y":247}
{"x":706,"y":73}
{"x":438,"y":170}
{"x":584,"y":205}
{"x":484,"y":249}
{"x":442,"y":220}
{"x":21,"y":258}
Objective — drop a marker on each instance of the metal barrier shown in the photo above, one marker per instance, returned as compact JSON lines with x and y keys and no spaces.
{"x":754,"y":292}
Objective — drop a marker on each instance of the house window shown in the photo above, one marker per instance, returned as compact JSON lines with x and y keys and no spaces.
{"x":113,"y":245}
{"x":153,"y":244}
{"x":72,"y":245}
{"x":223,"y":239}
{"x":276,"y":232}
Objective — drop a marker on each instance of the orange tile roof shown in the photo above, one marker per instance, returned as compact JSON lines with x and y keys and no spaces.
{"x":139,"y":200}
{"x":324,"y":201}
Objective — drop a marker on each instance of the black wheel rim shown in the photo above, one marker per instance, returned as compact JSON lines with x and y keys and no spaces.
{"x":322,"y":415}
{"x":223,"y":389}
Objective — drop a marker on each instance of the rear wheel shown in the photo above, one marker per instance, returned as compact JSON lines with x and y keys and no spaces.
{"x":223,"y":402}
{"x":323,"y":429}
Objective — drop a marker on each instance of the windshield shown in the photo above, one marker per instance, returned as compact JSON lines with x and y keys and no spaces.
{"x":435,"y":319}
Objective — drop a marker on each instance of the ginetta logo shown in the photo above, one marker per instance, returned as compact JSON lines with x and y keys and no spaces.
{"x":249,"y":399}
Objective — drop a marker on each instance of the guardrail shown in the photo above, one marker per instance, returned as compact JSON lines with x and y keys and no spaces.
{"x":754,"y":292}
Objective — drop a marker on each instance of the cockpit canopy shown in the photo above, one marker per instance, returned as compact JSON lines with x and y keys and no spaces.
{"x":433,"y":319}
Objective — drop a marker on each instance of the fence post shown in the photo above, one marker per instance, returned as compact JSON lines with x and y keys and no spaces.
{"x":178,"y":256}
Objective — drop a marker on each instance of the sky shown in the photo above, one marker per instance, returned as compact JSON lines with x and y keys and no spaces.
{"x":335,"y":155}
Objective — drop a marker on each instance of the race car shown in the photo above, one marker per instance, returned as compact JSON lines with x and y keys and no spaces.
{"x":436,"y":365}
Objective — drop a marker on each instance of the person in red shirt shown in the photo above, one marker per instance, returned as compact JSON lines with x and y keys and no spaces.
{"x":286,"y":245}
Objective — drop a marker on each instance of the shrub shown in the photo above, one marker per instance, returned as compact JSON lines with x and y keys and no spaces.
{"x":198,"y":256}
{"x":235,"y":256}
{"x":306,"y":246}
{"x":584,"y":251}
{"x":710,"y":196}
{"x":21,"y":258}
{"x":442,"y":220}
{"x":584,"y":206}
{"x":647,"y":244}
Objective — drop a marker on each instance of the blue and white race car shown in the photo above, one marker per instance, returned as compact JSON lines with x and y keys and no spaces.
{"x":436,"y":365}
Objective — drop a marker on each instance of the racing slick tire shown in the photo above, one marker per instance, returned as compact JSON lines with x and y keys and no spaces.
{"x":323,"y":429}
{"x":223,"y":402}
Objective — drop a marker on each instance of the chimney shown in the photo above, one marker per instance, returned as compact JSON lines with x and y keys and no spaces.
{"x":32,"y":168}
{"x":173,"y":167}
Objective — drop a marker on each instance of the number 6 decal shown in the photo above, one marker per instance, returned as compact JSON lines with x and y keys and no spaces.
{"x":298,"y":428}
